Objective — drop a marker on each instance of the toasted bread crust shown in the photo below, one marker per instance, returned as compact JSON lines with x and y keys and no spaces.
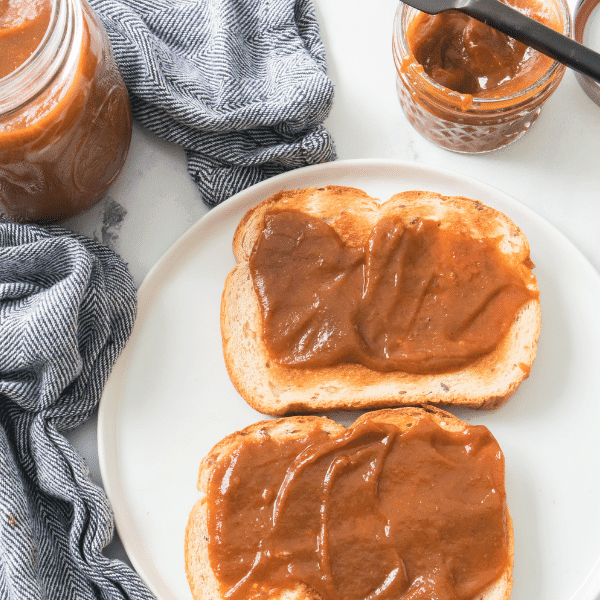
{"x":202,"y":581}
{"x":274,"y":389}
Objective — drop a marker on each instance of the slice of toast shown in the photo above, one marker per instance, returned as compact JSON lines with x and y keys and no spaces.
{"x":202,"y":580}
{"x":276,"y":389}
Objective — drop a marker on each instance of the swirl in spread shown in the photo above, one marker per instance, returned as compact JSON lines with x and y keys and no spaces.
{"x":470,"y":57}
{"x":370,"y":514}
{"x":418,"y":299}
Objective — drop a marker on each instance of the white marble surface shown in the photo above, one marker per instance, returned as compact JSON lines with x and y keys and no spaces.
{"x":554,"y":169}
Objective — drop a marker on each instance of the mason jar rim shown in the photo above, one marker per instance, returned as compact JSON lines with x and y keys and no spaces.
{"x":401,"y":20}
{"x":33,"y":76}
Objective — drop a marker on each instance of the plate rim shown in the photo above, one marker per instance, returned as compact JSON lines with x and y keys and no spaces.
{"x":228,"y":204}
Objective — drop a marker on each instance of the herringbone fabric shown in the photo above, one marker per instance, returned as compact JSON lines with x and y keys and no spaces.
{"x":241,"y":85}
{"x":67,"y":306}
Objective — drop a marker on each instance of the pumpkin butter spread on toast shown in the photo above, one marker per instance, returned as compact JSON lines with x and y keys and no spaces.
{"x":338,"y":301}
{"x":405,"y":504}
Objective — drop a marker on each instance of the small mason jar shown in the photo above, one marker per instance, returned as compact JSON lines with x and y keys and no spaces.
{"x":65,"y":119}
{"x":463,"y":122}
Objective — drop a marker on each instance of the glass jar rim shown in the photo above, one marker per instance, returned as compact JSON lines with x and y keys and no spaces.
{"x":41,"y":67}
{"x":403,"y":12}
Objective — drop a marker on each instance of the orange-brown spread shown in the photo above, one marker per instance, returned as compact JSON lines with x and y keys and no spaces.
{"x":64,"y":145}
{"x":373,"y":513}
{"x":470,"y":57}
{"x":418,"y":298}
{"x":22,"y":27}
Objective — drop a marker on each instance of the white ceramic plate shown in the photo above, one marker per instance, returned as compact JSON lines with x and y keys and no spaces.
{"x":169,"y":399}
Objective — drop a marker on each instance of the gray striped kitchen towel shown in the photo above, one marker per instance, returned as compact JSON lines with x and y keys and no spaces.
{"x":241,"y":85}
{"x":67,"y":306}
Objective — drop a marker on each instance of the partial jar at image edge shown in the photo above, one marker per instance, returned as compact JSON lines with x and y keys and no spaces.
{"x":65,"y":121}
{"x":461,"y":122}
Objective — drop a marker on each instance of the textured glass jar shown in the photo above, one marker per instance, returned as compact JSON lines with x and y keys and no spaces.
{"x":462,"y":122}
{"x":65,"y":120}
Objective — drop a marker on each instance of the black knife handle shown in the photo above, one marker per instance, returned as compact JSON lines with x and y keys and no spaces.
{"x":524,"y":29}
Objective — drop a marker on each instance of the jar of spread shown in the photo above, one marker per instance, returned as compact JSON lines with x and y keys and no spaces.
{"x":470,"y":88}
{"x":65,"y":120}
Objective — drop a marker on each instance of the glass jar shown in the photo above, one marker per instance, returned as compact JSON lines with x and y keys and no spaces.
{"x":65,"y":119}
{"x":463,"y":122}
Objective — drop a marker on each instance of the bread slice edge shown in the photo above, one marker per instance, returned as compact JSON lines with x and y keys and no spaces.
{"x":273,"y":389}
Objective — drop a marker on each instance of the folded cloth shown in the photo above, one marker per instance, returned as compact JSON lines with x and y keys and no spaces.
{"x":67,"y":306}
{"x":241,"y":85}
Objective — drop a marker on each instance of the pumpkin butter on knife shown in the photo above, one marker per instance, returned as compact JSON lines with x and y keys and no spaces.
{"x":339,"y":301}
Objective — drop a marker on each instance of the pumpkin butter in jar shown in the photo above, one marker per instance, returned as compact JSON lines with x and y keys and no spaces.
{"x":65,"y":120}
{"x":468,"y":87}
